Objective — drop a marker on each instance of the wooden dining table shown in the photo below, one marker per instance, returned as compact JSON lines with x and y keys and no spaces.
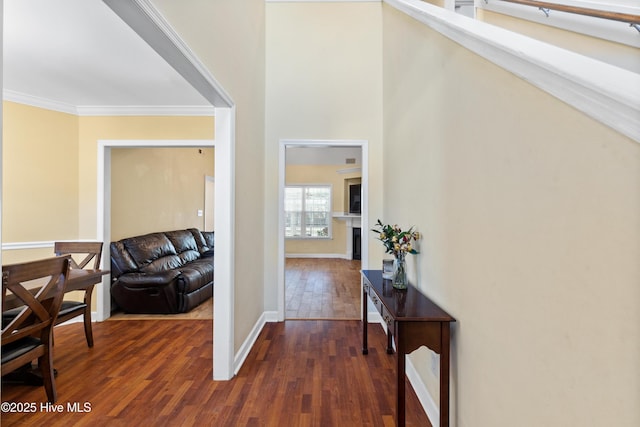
{"x":76,"y":281}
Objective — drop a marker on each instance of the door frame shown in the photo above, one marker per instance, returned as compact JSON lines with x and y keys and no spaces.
{"x":314,"y":143}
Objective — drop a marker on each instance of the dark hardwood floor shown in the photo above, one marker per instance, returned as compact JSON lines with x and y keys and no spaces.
{"x":158,"y":373}
{"x":322,"y":288}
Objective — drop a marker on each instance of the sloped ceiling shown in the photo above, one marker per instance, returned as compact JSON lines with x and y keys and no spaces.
{"x":78,"y":56}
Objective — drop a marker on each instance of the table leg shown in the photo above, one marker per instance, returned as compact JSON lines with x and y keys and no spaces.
{"x":444,"y":373}
{"x":400,"y":389}
{"x":365,"y":321}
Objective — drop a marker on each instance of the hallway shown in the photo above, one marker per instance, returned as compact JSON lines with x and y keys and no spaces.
{"x":322,"y":288}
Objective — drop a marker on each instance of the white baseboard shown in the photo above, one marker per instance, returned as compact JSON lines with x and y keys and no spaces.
{"x":335,"y":256}
{"x":426,"y":400}
{"x":270,"y":316}
{"x":248,"y":343}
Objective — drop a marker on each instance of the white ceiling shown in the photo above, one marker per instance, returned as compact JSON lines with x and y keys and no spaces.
{"x":80,"y":55}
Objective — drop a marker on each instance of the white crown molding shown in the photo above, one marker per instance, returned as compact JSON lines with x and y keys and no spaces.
{"x":604,"y":92}
{"x":146,"y":110}
{"x":96,"y":110}
{"x":35,"y":101}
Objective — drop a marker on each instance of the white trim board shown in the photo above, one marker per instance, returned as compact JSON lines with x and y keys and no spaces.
{"x":247,"y":345}
{"x":97,"y":110}
{"x":328,"y":256}
{"x":604,"y":92}
{"x":14,"y":246}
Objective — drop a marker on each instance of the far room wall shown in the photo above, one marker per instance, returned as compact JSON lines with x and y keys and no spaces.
{"x":322,"y":175}
{"x":158,"y":189}
{"x":93,"y":129}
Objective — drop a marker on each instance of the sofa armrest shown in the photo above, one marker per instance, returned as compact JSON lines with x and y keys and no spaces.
{"x":144,"y":280}
{"x":208,"y":254}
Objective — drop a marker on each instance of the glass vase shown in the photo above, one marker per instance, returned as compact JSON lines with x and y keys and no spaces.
{"x":400,"y":271}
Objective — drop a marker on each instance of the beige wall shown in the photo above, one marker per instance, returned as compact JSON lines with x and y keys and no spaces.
{"x":228,"y":36}
{"x":40,"y":178}
{"x":93,"y":129}
{"x":158,"y":189}
{"x":52,"y":167}
{"x":529,"y":211}
{"x":50,"y":170}
{"x":325,"y":175}
{"x":324,"y":81}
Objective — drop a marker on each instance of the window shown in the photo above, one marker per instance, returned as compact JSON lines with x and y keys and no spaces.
{"x":307,"y":210}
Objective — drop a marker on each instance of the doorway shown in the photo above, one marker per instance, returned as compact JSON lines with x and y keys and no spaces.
{"x":316,"y":265}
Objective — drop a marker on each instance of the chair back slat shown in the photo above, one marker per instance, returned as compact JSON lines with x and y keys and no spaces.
{"x":90,"y":250}
{"x":41,"y":306}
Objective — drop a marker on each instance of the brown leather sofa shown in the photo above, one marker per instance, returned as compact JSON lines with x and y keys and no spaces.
{"x":167,"y":272}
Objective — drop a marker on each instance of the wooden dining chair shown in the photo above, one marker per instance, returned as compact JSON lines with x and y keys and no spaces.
{"x":29,"y":335}
{"x":86,"y":252}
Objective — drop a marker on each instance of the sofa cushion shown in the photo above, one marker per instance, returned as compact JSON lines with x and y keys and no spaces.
{"x":185,"y":245}
{"x":195,"y":275}
{"x":164,"y":263}
{"x":153,"y":253}
{"x":141,"y":280}
{"x":208,"y":254}
{"x":209,"y":238}
{"x":197,"y":236}
{"x":148,"y":248}
{"x":195,"y":298}
{"x":121,"y":261}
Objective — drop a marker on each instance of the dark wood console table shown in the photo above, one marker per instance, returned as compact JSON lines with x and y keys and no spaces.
{"x":413,"y":320}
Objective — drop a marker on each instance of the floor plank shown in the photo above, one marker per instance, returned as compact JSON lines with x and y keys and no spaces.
{"x":203,"y":311}
{"x":148,"y":372}
{"x":322,"y":288}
